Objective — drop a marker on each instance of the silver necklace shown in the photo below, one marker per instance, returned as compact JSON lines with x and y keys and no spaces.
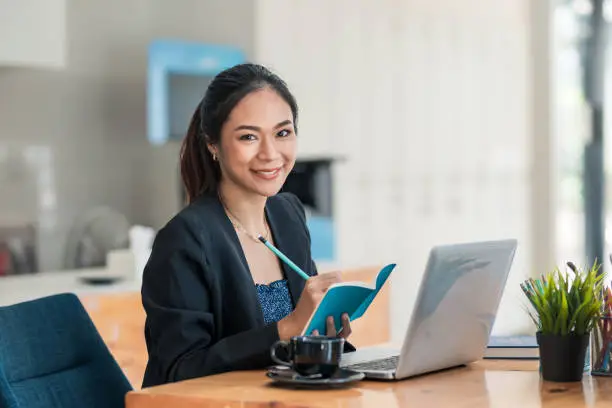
{"x":238,"y":226}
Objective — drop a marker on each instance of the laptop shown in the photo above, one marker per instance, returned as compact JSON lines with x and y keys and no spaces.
{"x":453,"y":316}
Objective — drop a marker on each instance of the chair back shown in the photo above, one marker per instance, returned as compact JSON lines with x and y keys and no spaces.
{"x":51,"y":355}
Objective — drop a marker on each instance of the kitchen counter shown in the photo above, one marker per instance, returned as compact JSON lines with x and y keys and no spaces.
{"x":15,"y":289}
{"x":120,"y":272}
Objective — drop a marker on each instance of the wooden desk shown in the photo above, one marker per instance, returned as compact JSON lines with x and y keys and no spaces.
{"x":482,"y":384}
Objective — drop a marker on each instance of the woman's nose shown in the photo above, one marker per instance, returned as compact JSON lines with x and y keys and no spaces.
{"x":268,"y":150}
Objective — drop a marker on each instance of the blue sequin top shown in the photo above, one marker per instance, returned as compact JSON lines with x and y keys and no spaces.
{"x":275,"y":300}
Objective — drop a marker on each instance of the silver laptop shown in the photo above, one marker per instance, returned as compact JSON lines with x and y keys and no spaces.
{"x":453,"y":316}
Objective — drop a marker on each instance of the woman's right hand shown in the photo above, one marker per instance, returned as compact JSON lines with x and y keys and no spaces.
{"x":313,"y":292}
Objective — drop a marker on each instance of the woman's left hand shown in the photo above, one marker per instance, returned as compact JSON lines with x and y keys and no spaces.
{"x":331,"y":329}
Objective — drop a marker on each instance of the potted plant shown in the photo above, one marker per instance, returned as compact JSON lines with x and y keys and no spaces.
{"x":566,"y":308}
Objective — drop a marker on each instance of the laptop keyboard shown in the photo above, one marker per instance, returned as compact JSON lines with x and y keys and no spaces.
{"x":389,"y":363}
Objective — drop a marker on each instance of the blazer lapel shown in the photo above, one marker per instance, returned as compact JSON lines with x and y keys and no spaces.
{"x":228,"y":229}
{"x":285,"y":240}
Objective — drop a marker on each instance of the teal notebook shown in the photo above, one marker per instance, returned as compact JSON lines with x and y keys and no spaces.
{"x":353,"y":298}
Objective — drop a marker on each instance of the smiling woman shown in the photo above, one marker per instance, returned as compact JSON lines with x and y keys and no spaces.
{"x":216,"y":298}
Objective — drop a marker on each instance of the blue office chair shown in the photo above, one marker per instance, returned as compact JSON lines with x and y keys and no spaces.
{"x":51,"y":355}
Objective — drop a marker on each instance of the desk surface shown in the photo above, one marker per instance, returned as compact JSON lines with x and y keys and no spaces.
{"x":481,"y":384}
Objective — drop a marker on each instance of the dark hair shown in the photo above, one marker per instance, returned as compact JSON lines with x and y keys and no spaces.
{"x":200,"y":173}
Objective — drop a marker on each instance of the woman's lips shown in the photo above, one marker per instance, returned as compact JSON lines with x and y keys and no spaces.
{"x":267,"y":174}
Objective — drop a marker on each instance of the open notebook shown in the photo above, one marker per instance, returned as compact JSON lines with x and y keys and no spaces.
{"x":353,"y":298}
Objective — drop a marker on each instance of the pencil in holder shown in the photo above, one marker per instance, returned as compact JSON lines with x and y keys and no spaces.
{"x":601,"y":347}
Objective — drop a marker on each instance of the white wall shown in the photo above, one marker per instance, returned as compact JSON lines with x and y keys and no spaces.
{"x":432,"y":105}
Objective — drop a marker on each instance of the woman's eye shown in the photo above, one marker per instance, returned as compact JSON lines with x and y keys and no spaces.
{"x":284,"y":132}
{"x":247,"y":137}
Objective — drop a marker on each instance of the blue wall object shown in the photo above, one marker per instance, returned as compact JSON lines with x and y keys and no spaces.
{"x":322,"y":238}
{"x":166,"y":57}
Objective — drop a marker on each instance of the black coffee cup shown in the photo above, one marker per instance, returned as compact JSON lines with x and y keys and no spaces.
{"x":311,"y":355}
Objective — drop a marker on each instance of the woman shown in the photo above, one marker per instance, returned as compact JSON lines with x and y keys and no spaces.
{"x":216,"y":298}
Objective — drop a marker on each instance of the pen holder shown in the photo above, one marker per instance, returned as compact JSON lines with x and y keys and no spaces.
{"x":601,"y":347}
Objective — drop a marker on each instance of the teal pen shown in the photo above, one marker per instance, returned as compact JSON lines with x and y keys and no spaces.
{"x":284,"y":258}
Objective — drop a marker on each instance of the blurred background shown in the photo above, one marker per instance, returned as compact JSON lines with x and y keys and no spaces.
{"x":421,"y":123}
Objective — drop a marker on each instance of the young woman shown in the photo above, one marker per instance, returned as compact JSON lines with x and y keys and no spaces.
{"x":216,"y":298}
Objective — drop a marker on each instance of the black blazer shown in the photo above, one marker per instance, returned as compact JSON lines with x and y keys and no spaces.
{"x":203,"y":313}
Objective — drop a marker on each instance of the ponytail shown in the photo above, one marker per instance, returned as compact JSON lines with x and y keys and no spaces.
{"x":200,"y":173}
